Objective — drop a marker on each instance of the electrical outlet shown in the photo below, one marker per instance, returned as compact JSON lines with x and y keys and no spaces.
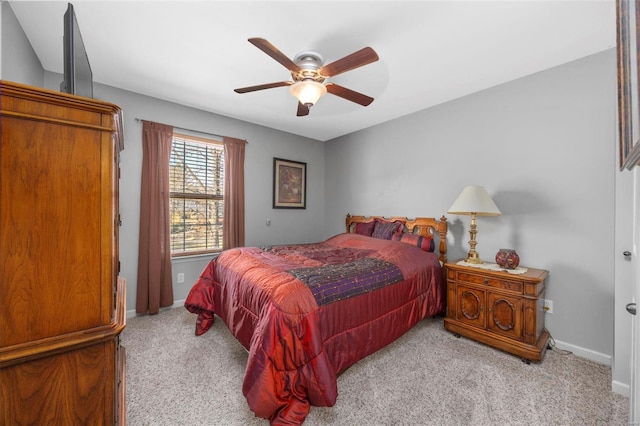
{"x":547,"y":306}
{"x":180,"y":278}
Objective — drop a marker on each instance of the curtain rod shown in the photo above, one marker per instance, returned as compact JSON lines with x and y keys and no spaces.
{"x":190,"y":130}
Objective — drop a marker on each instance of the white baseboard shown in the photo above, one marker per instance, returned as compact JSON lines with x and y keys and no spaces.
{"x":176,"y":304}
{"x":621,"y":388}
{"x":616,"y":386}
{"x":585,"y":353}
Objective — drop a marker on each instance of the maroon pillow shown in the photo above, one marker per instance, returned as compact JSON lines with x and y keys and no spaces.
{"x":385,"y":230}
{"x":425,"y":243}
{"x":365,"y":228}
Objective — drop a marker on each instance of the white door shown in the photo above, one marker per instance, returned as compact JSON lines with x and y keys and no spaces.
{"x":634,"y":394}
{"x":625,"y":229}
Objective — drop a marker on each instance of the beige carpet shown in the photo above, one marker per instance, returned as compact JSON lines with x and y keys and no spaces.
{"x":427,"y":377}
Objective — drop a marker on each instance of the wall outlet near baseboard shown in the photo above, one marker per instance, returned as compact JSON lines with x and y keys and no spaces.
{"x":180,"y":277}
{"x":547,"y":306}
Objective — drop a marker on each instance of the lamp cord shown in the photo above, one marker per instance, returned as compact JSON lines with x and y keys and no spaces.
{"x":552,"y":345}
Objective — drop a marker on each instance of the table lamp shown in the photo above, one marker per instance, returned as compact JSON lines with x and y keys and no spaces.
{"x":474,"y":201}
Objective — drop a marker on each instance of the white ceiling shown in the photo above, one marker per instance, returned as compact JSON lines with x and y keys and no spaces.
{"x":195,"y":53}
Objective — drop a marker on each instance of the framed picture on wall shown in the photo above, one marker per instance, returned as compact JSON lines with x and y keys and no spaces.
{"x":628,"y":94}
{"x":289,"y":184}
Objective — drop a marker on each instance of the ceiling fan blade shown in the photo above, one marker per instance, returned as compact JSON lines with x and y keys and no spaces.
{"x":357,"y":59}
{"x":302,"y":110}
{"x":348,"y":94}
{"x":263,"y":86}
{"x":273,"y":51}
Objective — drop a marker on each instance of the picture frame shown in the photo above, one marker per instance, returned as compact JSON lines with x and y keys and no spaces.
{"x":289,"y":184}
{"x":627,"y":34}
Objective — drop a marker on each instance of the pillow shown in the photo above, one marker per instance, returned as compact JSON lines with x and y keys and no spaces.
{"x":385,"y":230}
{"x":425,"y":243}
{"x":365,"y":228}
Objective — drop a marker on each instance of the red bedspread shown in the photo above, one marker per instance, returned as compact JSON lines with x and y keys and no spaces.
{"x":308,"y":312}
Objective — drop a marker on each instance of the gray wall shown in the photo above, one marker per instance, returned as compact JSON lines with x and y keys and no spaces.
{"x":544,"y":147}
{"x":287,"y":226}
{"x":19,"y":61}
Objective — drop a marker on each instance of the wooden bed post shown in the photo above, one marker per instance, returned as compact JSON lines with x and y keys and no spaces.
{"x":442,"y":230}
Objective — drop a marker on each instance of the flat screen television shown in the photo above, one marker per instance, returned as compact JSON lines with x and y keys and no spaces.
{"x":78,"y":78}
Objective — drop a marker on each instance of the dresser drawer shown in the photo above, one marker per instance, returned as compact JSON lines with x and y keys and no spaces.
{"x":503,"y":284}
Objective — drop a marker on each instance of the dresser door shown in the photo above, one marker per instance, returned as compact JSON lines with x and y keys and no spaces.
{"x":471,"y":306}
{"x":505,"y":315}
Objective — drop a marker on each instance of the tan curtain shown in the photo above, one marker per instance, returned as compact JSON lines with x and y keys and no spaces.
{"x":233,"y":230}
{"x":155,"y":288}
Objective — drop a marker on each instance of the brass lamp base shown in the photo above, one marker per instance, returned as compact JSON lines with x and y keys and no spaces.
{"x":473,"y":256}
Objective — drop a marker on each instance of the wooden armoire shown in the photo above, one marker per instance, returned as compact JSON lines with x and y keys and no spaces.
{"x":62,"y":304}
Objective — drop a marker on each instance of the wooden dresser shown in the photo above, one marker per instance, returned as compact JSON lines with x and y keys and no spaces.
{"x":62,"y":304}
{"x":498,"y":308}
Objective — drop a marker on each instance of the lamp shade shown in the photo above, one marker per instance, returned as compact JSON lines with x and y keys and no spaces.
{"x":474,"y":199}
{"x":308,"y":91}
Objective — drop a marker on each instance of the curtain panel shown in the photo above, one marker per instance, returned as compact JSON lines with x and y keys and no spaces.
{"x":233,"y":228}
{"x":154,"y":289}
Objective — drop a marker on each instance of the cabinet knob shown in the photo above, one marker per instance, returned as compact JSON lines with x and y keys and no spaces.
{"x":486,"y":281}
{"x":626,"y":253}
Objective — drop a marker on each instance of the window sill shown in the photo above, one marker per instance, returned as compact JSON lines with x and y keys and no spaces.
{"x":194,"y":257}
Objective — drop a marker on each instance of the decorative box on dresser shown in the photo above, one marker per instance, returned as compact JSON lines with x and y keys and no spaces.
{"x":498,"y":308}
{"x":62,"y":304}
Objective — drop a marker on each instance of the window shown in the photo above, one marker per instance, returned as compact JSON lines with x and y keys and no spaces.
{"x":196,"y":171}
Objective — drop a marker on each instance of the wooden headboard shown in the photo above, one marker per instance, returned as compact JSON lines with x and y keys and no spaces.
{"x":425,"y":226}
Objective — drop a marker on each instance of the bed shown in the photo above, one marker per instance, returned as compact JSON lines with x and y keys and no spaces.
{"x":307,"y":312}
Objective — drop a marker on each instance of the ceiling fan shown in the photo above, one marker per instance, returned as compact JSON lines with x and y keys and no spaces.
{"x":309,"y":75}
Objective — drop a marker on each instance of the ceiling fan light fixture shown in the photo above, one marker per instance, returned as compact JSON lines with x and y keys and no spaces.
{"x":308,"y":75}
{"x":308,"y":91}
